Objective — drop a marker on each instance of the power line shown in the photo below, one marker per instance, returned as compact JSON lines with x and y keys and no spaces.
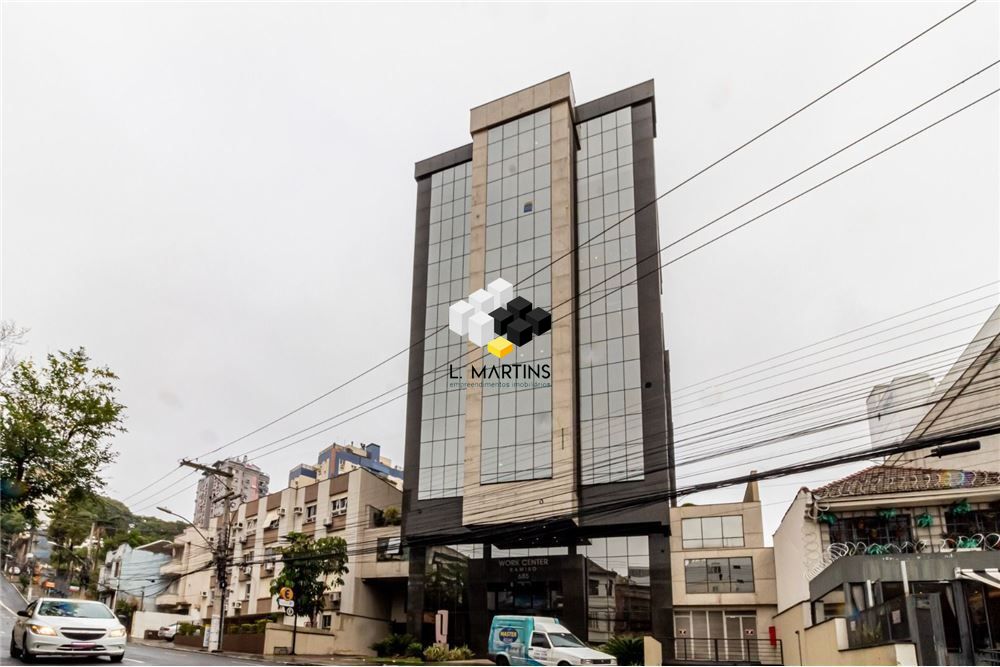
{"x":620,"y":287}
{"x":671,"y":190}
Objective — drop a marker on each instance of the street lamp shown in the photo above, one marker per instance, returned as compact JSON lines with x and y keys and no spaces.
{"x":185,"y":520}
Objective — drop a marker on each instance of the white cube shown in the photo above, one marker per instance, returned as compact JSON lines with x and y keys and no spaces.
{"x":483,"y":301}
{"x":480,"y":329}
{"x":458,"y":317}
{"x":502,"y":290}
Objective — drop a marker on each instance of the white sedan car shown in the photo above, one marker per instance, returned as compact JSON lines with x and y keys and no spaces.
{"x":61,"y":627}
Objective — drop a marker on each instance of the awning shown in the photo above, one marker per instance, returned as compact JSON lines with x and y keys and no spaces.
{"x":989,"y":576}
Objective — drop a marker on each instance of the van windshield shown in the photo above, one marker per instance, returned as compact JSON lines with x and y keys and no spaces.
{"x":564,"y":640}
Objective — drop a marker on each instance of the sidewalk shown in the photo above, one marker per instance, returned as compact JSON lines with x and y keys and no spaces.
{"x":268,"y":659}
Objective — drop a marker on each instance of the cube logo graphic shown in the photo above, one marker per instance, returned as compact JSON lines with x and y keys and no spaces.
{"x":495,"y":318}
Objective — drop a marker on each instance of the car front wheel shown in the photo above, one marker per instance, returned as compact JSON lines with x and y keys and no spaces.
{"x":15,"y":652}
{"x":26,"y":655}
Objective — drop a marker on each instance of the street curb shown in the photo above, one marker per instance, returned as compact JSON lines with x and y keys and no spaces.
{"x":229,"y":654}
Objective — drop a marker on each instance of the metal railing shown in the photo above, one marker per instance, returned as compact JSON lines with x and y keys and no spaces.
{"x":947,"y":544}
{"x":737,"y":651}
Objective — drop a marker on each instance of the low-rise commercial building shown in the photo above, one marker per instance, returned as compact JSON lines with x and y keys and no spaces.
{"x":891,"y":564}
{"x":724,"y":589}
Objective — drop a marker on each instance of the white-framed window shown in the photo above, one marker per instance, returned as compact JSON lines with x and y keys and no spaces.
{"x":338,"y":506}
{"x":327,"y":621}
{"x":710,"y":532}
{"x":311,"y":511}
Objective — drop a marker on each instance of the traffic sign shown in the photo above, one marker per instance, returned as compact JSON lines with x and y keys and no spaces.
{"x":286,"y":603}
{"x":289,"y":611}
{"x":286,"y":593}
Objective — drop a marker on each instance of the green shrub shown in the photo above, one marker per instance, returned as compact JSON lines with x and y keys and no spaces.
{"x":628,"y":650}
{"x":436,"y":653}
{"x":260,"y":626}
{"x":185,"y":629}
{"x":249,"y":628}
{"x":461,"y":653}
{"x":394,"y":645}
{"x":415,"y":650}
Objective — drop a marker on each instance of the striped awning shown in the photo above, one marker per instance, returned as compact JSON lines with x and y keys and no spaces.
{"x":989,"y":576}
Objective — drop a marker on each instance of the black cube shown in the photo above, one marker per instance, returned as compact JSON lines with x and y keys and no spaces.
{"x":519,"y":306}
{"x":501,"y":320}
{"x":540,"y":321}
{"x":519,"y":332}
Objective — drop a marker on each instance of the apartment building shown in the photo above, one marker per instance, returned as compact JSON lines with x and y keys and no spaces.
{"x":247,"y":480}
{"x":351,"y":505}
{"x":190,"y":573}
{"x":132,"y":574}
{"x":339,"y":459}
{"x":724,"y":588}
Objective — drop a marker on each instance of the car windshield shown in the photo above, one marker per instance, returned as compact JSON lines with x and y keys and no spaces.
{"x":564,"y":640}
{"x":74,"y":609}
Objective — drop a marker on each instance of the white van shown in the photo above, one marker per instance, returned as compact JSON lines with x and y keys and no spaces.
{"x":538,"y":640}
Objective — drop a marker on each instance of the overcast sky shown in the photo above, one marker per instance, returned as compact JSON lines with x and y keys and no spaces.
{"x":217,"y":199}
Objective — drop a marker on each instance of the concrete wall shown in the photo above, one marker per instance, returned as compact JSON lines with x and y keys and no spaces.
{"x":153,"y":620}
{"x":826,"y":644}
{"x":350,"y":635}
{"x":797,"y":546}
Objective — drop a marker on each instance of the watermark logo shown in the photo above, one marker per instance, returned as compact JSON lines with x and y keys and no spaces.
{"x":495,"y":318}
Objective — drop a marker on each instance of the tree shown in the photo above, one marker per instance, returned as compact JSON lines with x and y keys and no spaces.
{"x":10,"y":335}
{"x":307,"y":565}
{"x":55,"y":423}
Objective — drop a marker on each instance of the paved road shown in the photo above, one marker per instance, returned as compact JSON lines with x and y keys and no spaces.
{"x":11,"y":601}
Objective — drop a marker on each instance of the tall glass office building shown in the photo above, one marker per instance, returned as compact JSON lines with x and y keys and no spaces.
{"x":538,"y":421}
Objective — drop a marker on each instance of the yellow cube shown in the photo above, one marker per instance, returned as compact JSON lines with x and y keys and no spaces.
{"x":500,"y":347}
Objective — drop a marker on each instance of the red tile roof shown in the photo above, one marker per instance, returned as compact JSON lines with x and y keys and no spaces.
{"x":883,"y":479}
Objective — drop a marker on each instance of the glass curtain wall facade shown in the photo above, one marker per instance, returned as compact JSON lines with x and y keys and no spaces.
{"x":517,"y":420}
{"x":442,"y":427}
{"x":611,"y":445}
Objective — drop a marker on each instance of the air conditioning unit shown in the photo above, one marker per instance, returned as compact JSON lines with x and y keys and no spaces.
{"x":239,"y":525}
{"x":269,"y":566}
{"x":204,"y":594}
{"x":237,"y":605}
{"x":247,"y":569}
{"x":281,"y":511}
{"x":298,"y":510}
{"x":243,"y":540}
{"x":328,"y":522}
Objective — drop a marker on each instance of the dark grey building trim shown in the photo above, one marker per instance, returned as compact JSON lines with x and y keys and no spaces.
{"x":641,"y":92}
{"x":658,"y":477}
{"x":455,"y":156}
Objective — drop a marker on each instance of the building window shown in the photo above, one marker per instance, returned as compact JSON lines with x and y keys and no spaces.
{"x":310,"y":511}
{"x":976,"y":522}
{"x":719,"y":575}
{"x":388,"y":548}
{"x":327,"y":621}
{"x":338,"y":506}
{"x":871,"y":530}
{"x":712,"y":532}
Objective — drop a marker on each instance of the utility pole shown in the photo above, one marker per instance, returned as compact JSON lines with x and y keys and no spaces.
{"x":220,"y":552}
